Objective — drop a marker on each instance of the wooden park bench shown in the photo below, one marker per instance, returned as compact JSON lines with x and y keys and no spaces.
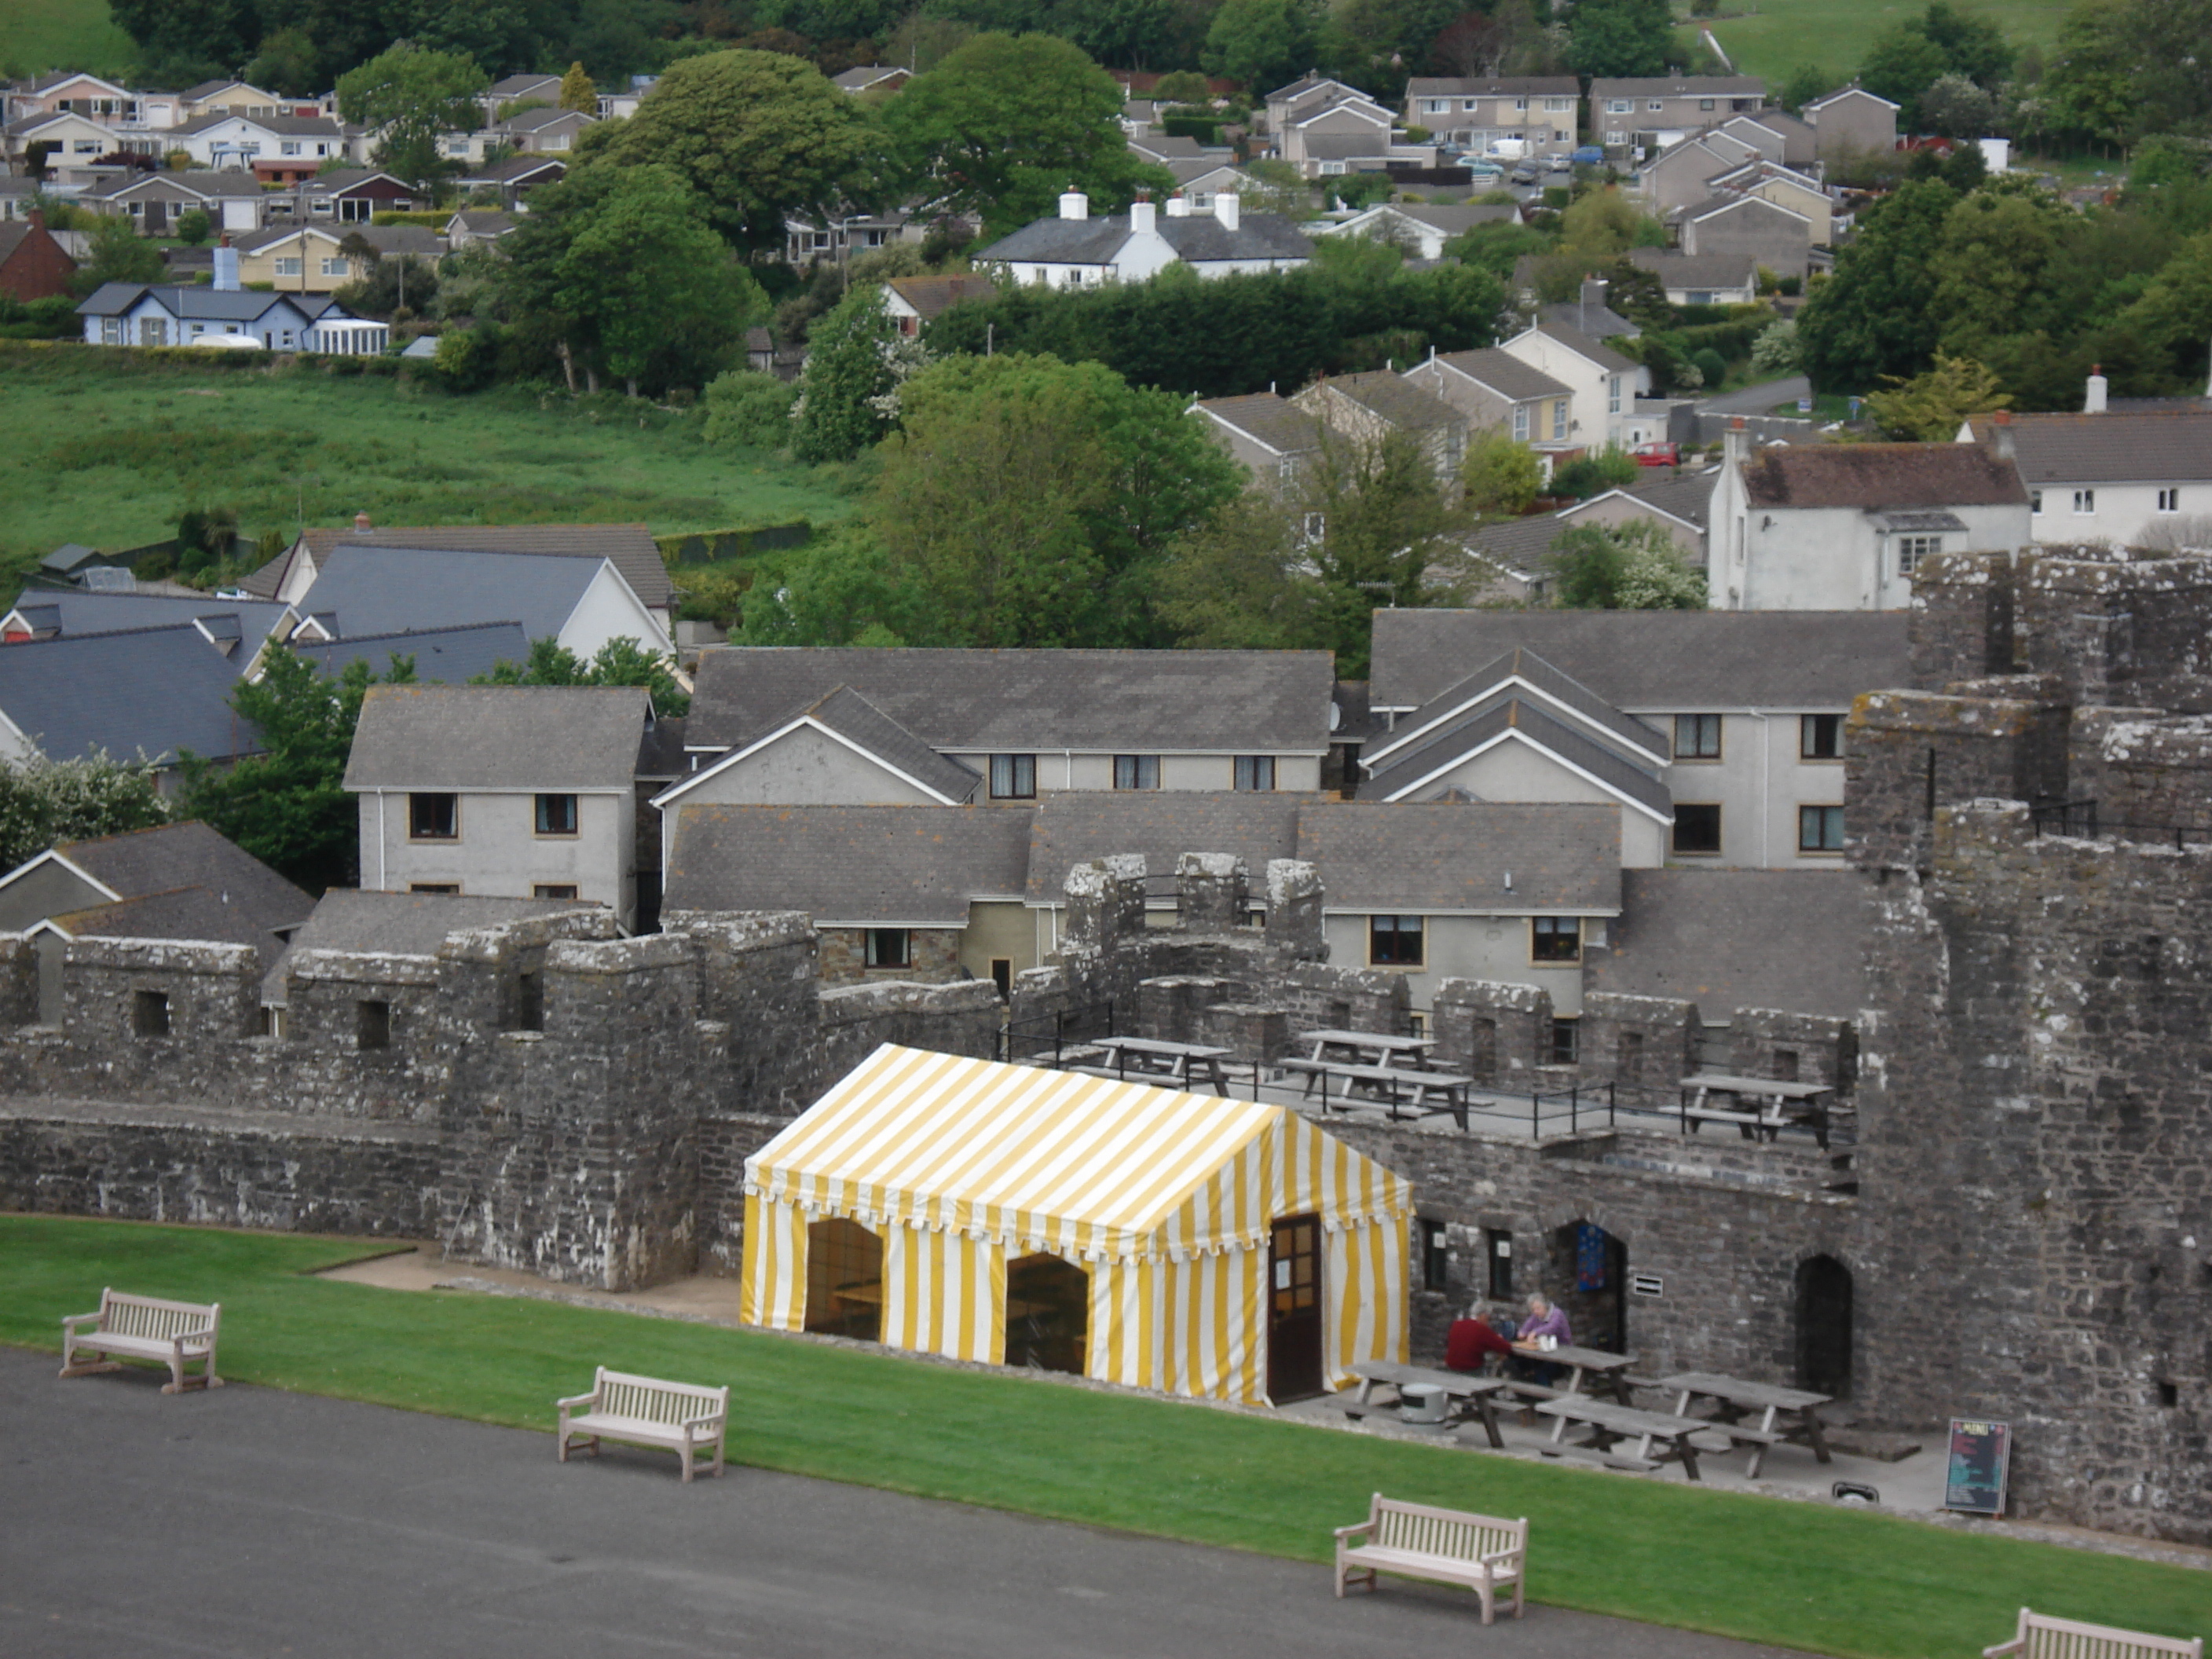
{"x":644,"y":1411}
{"x":173,"y":1333}
{"x":1448,"y":1547}
{"x":2042,"y":1637}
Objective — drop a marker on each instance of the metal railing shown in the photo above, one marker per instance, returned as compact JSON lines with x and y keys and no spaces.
{"x":1046,"y":1037}
{"x":2079,"y":820}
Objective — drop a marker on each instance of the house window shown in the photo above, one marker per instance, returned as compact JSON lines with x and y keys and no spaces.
{"x":1910,"y":550}
{"x":1820,"y":828}
{"x":1520,"y":104}
{"x":1696,"y":737}
{"x":1497,"y":1255}
{"x":556,"y":814}
{"x":2085,"y":501}
{"x":111,"y":331}
{"x":553,"y":890}
{"x":2035,"y":501}
{"x":1521,"y":423}
{"x":289,"y":147}
{"x":1557,"y":106}
{"x":149,"y":1013}
{"x":2169,"y":501}
{"x":1136,"y":771}
{"x":1655,"y":103}
{"x":1616,"y":106}
{"x":1013,"y":777}
{"x":1555,"y":938}
{"x":1314,"y":528}
{"x":1255,"y":772}
{"x":890,"y":947}
{"x":152,"y":331}
{"x":434,"y":887}
{"x":1613,"y":394}
{"x":1703,"y":103}
{"x":1559,"y":420}
{"x":1820,"y":737}
{"x":433,"y":817}
{"x":1566,"y":1042}
{"x":335,"y":267}
{"x":288,"y":264}
{"x":1332,"y":169}
{"x":1697,"y":830}
{"x":371,"y":1026}
{"x":1394,"y":941}
{"x":1435,"y":1257}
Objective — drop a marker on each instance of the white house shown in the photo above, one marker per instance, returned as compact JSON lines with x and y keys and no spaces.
{"x":140,"y":314}
{"x":2133,"y":478}
{"x":1603,"y":385}
{"x":1692,"y":279}
{"x":1075,"y":250}
{"x":222,"y":140}
{"x":1423,"y":231}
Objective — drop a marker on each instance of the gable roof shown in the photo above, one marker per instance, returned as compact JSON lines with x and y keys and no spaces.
{"x":1454,"y":856}
{"x":1735,"y":201}
{"x":1846,"y":92}
{"x":1876,"y":475}
{"x":1583,"y":345}
{"x":193,"y":181}
{"x":1391,"y":397}
{"x":1493,"y":85}
{"x":1688,"y":497}
{"x":1503,"y":373}
{"x":1678,"y":86}
{"x":629,"y":547}
{"x":1159,"y":148}
{"x":150,"y":690}
{"x":384,"y":590}
{"x":1736,"y":939}
{"x":76,"y":610}
{"x":1271,"y":422}
{"x":861,"y":77}
{"x":499,"y":737}
{"x":536,"y":120}
{"x":1653,"y":660}
{"x":931,"y":297}
{"x":1033,"y":700}
{"x":284,"y":126}
{"x":340,"y":180}
{"x":868,"y":865}
{"x":213,"y":304}
{"x":2113,"y":447}
{"x":1202,"y":238}
{"x":1077,"y":826}
{"x":1679,"y":269}
{"x":1506,"y":717}
{"x":207,"y":887}
{"x":442,"y":656}
{"x":1519,"y":671}
{"x":512,"y":170}
{"x":846,"y":716}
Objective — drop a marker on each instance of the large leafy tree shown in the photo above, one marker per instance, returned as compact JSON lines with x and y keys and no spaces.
{"x":619,"y":263}
{"x":117,"y":254}
{"x":618,"y":662}
{"x":1263,"y":43}
{"x":848,"y":395}
{"x":43,"y":802}
{"x":1908,"y":58}
{"x":411,"y":94}
{"x":1621,"y":37}
{"x":756,"y":134}
{"x":1005,"y":124}
{"x":1930,"y":407}
{"x":1629,"y":567}
{"x":1875,"y":316}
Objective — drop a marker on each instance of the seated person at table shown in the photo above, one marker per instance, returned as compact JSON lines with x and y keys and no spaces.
{"x":1545,"y":1319}
{"x":1471,"y":1341}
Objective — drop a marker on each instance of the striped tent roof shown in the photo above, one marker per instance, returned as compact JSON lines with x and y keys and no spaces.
{"x":1084,"y":1166}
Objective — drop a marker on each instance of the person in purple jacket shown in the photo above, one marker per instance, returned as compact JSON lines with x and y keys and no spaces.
{"x":1545,"y":1319}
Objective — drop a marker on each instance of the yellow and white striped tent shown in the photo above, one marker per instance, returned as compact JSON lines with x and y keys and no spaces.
{"x":1166,"y":1200}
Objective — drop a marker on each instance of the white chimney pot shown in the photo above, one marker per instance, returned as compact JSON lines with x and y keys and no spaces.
{"x":1229,"y":209}
{"x":1143,"y":220}
{"x":1074,"y":204}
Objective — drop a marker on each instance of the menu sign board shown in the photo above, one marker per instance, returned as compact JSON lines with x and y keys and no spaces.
{"x":1981,"y":1458}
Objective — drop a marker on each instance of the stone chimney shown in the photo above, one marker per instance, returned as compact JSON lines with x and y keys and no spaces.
{"x":2093,"y":402}
{"x":1229,"y":209}
{"x":1593,"y":295}
{"x":38,"y":218}
{"x":226,"y":267}
{"x":1735,"y":443}
{"x":1074,"y":204}
{"x":361,"y":524}
{"x":1142,"y":215}
{"x":2001,"y":433}
{"x":1178,"y":206}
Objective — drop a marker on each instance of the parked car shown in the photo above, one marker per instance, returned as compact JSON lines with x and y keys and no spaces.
{"x":1658,"y":454}
{"x":1589,"y":155}
{"x":1480,"y":170}
{"x":1526,"y":173}
{"x":1560,"y":164}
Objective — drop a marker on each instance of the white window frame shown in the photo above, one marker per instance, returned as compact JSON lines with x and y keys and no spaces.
{"x":1521,"y":423}
{"x":2085,"y":503}
{"x":1613,"y":394}
{"x":1559,"y":420}
{"x":288,"y":264}
{"x":2169,"y":501}
{"x":1618,"y":106}
{"x":336,"y":264}
{"x":1912,"y":550}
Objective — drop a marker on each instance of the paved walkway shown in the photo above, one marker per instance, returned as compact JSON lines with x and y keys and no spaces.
{"x":248,"y":1522}
{"x":1759,"y":399}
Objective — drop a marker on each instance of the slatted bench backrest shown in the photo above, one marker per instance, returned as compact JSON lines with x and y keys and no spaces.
{"x":2064,"y":1638}
{"x":123,"y":1315}
{"x":1448,"y":1533}
{"x":649,"y":1400}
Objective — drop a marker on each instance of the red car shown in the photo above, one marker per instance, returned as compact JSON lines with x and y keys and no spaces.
{"x":1658,"y":454}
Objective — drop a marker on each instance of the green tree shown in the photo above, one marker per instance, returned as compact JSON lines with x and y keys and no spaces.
{"x":116,"y":252}
{"x":1973,"y":46}
{"x":1631,"y":567}
{"x":286,"y":63}
{"x":1902,"y":64}
{"x":618,"y":662}
{"x":578,"y":91}
{"x":45,"y":801}
{"x":1005,"y":124}
{"x":1502,"y":476}
{"x":1874,"y":316}
{"x":1807,"y":82}
{"x":1262,"y":43}
{"x":412,"y":94}
{"x":1774,"y":353}
{"x":2090,"y":86}
{"x":1954,"y":107}
{"x":1498,"y":246}
{"x":619,"y":263}
{"x":288,"y":806}
{"x":1621,"y":37}
{"x":757,"y":135}
{"x":1929,"y":408}
{"x":849,"y":392}
{"x":747,"y":408}
{"x":177,"y":37}
{"x":1596,"y":473}
{"x":192,"y":227}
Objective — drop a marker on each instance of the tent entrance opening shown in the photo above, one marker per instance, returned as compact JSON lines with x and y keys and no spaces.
{"x":844,"y":1279}
{"x":1294,"y":1309}
{"x":1047,"y":1313}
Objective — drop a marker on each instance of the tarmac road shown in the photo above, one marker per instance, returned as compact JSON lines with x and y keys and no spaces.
{"x":246,"y":1522}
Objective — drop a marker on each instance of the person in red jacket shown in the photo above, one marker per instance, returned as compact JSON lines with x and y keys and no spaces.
{"x":1470,"y":1342}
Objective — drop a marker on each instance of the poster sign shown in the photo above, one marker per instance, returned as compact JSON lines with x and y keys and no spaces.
{"x":1981,"y":1459}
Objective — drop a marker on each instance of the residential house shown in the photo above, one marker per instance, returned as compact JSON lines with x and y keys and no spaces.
{"x":1681,"y":175}
{"x":1652,"y":112}
{"x":515,"y":177}
{"x":1075,"y":250}
{"x":299,"y":258}
{"x":33,"y":264}
{"x":1199,"y":182}
{"x":1160,"y":149}
{"x":348,"y":196}
{"x":1849,"y":123}
{"x":1493,"y":388}
{"x":811,"y":238}
{"x":1777,"y":236}
{"x":1589,"y":313}
{"x":1843,"y":526}
{"x":915,"y":302}
{"x":277,"y":148}
{"x":1801,"y":148}
{"x":1751,"y":707}
{"x":629,"y":549}
{"x":1520,"y":549}
{"x":1421,"y":231}
{"x":236,"y":628}
{"x":139,"y":314}
{"x":19,"y":198}
{"x":541,"y":90}
{"x":582,"y":604}
{"x":501,"y":791}
{"x":155,"y":692}
{"x":1602,"y":384}
{"x":72,"y":141}
{"x":873,"y":77}
{"x":1366,"y":408}
{"x":476,"y":228}
{"x":1712,"y":279}
{"x":540,"y":131}
{"x":237,"y":98}
{"x":1766,"y":144}
{"x":1537,"y":114}
{"x":70,"y":92}
{"x":1326,"y":129}
{"x":233,"y":201}
{"x":439,"y":656}
{"x":175,"y":881}
{"x":1270,"y":436}
{"x":2131,"y":479}
{"x":1784,"y":188}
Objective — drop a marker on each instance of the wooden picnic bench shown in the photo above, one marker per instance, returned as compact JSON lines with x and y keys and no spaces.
{"x":1388,"y":1048}
{"x":173,"y":1333}
{"x":1153,"y":1060}
{"x":1470,"y":1393}
{"x":646,"y":1411}
{"x":1391,"y":1086}
{"x":1609,"y":1423}
{"x":2042,"y":1637}
{"x":1450,"y":1547}
{"x":1777,"y":1104}
{"x":1735,"y":1399}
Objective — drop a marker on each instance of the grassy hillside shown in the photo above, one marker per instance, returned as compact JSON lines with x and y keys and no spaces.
{"x":108,"y":453}
{"x":1770,"y":38}
{"x":37,"y":36}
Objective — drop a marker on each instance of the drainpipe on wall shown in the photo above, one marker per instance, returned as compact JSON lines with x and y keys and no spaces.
{"x":1765,"y":796}
{"x":380,"y":840}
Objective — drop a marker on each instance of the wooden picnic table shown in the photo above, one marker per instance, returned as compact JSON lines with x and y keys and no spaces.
{"x":1474,"y":1394}
{"x":1384,"y":1047}
{"x":1390,"y":1086}
{"x":1776,"y":1105}
{"x":1147,"y":1058}
{"x":1735,"y":1399}
{"x":1608,"y":1368}
{"x":1609,"y":1422}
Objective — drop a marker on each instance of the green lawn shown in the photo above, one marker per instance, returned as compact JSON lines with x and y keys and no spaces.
{"x":109,"y":453}
{"x":1798,"y":1574}
{"x":1770,"y":38}
{"x":38,"y":35}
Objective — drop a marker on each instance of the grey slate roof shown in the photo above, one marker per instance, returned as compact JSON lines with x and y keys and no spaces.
{"x":1267,"y":419}
{"x":1504,"y":373}
{"x":1679,"y":269}
{"x":383,"y":590}
{"x":1499,"y":716}
{"x":448,"y":656}
{"x":285,"y":126}
{"x":1452,"y":855}
{"x":78,"y":611}
{"x":171,"y":858}
{"x":1653,"y":660}
{"x":203,"y":304}
{"x":149,"y":691}
{"x":1454,"y":218}
{"x":513,"y":168}
{"x":403,"y":924}
{"x":1687,"y":495}
{"x":1347,"y":146}
{"x":1792,"y":939}
{"x":1598,"y":323}
{"x":629,"y":547}
{"x":1479,"y":689}
{"x":1117,"y":701}
{"x":197,"y":181}
{"x":2165,"y":446}
{"x":1159,"y":148}
{"x":1677,"y":86}
{"x":498,"y":737}
{"x":1576,"y":339}
{"x":1196,"y":239}
{"x":1077,"y":826}
{"x":1522,"y":543}
{"x":1493,"y":85}
{"x":1405,"y":406}
{"x":880,"y":864}
{"x":850,"y":715}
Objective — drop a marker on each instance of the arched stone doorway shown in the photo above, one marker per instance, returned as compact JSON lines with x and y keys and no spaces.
{"x":844,"y":1279}
{"x":1824,"y":1326}
{"x":1586,"y":1272}
{"x":1047,"y":1314}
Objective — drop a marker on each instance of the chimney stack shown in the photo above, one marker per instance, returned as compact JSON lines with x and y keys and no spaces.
{"x":38,"y":218}
{"x":1733,"y":442}
{"x":1228,"y":209}
{"x":226,"y":267}
{"x":1074,"y":204}
{"x":2001,"y":431}
{"x":361,"y":524}
{"x":2093,"y":403}
{"x":1143,"y":215}
{"x":1178,"y":206}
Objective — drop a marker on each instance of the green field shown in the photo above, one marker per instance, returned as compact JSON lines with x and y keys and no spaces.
{"x":1798,"y":1574}
{"x":1770,"y":38}
{"x":37,"y":36}
{"x":109,"y":453}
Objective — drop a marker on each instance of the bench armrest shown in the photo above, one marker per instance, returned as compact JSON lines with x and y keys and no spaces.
{"x":590,"y":1399}
{"x":1353,"y":1531}
{"x":706,"y":1422}
{"x":2014,"y":1646}
{"x":183,"y":1337}
{"x":71,"y":1321}
{"x":1502,"y":1558}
